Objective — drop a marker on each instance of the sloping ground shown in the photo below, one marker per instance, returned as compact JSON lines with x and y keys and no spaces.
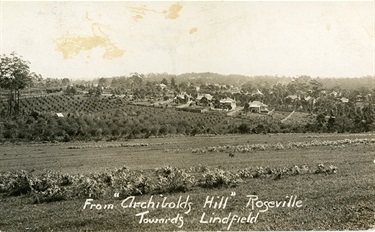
{"x":295,"y":116}
{"x":235,"y":112}
{"x":290,"y":115}
{"x":184,"y":105}
{"x":66,"y":104}
{"x":341,"y":201}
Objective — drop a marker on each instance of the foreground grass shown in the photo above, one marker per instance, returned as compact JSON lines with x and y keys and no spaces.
{"x":335,"y":202}
{"x":343,"y":201}
{"x":172,"y":151}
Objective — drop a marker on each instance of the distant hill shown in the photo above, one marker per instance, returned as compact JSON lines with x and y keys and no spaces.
{"x":238,"y":80}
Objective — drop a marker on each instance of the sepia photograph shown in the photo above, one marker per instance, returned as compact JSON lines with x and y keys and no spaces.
{"x":187,"y":116}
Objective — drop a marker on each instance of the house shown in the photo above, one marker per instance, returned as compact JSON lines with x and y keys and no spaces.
{"x":228,"y":103}
{"x":258,"y":107}
{"x":59,"y":115}
{"x":334,"y":93}
{"x":328,"y":117}
{"x":162,"y":86}
{"x":182,"y":98}
{"x":359,"y":98}
{"x":203,"y":101}
{"x":345,"y":100}
{"x":208,"y":96}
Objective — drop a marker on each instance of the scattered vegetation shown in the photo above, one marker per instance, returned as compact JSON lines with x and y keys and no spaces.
{"x":55,"y":186}
{"x":246,"y":148}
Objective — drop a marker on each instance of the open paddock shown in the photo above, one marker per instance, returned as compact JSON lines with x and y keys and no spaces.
{"x":341,"y":201}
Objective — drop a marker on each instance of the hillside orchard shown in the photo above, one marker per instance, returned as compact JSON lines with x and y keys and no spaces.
{"x":143,"y":106}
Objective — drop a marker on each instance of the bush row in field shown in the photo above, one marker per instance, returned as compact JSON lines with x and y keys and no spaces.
{"x":63,"y":103}
{"x":110,"y":145}
{"x":244,"y":148}
{"x":55,"y":186}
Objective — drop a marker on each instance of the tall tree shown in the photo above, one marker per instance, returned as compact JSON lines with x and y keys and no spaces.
{"x":65,"y":82}
{"x":104,"y":82}
{"x":173,"y":82}
{"x":14,"y":75}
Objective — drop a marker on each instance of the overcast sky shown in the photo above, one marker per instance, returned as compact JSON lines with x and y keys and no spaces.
{"x":104,"y":39}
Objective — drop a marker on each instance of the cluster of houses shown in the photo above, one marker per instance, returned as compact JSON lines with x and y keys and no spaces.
{"x":207,"y":100}
{"x":359,"y":99}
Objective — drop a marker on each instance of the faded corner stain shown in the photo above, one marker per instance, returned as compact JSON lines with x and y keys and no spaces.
{"x":113,"y":52}
{"x":140,"y":12}
{"x":72,"y":45}
{"x":137,"y":17}
{"x":193,"y":30}
{"x":173,"y":11}
{"x":328,"y":26}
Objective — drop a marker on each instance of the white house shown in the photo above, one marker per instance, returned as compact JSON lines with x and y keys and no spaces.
{"x":345,"y":100}
{"x":208,"y":96}
{"x":59,"y":115}
{"x":258,"y":107}
{"x":228,"y":103}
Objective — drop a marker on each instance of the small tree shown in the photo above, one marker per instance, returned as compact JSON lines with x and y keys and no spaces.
{"x":173,"y":82}
{"x":14,"y":75}
{"x":246,"y":107}
{"x":164,"y":81}
{"x":70,"y":90}
{"x":65,"y":82}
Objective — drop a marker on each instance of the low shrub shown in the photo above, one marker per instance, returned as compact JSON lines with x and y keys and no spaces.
{"x":55,"y":186}
{"x":219,"y":178}
{"x":171,"y":179}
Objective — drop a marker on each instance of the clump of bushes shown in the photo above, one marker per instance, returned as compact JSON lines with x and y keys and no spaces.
{"x":172,"y":179}
{"x":219,"y":178}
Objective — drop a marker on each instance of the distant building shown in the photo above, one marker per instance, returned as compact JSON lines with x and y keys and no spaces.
{"x":292,"y":97}
{"x":182,"y":99}
{"x":208,"y":96}
{"x":59,"y":115}
{"x":162,"y":86}
{"x":258,"y":107}
{"x":334,"y":93}
{"x":359,"y":98}
{"x":345,"y":100}
{"x":228,"y":103}
{"x":204,"y":100}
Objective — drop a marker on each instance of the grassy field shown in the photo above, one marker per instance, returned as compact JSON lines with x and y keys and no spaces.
{"x":341,"y":201}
